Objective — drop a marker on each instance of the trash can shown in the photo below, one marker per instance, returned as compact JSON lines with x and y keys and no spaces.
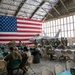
{"x":36,"y":59}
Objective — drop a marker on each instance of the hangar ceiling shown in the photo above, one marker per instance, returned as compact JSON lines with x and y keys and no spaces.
{"x":37,"y":9}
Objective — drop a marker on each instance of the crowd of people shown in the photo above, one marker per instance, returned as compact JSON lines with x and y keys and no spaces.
{"x":21,"y":51}
{"x":17,"y":50}
{"x":54,"y":43}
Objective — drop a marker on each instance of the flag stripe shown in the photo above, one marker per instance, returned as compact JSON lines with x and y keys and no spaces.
{"x":28,"y":23}
{"x":20,"y":33}
{"x":13,"y":39}
{"x":29,"y":31}
{"x":16,"y":35}
{"x":28,"y":27}
{"x":19,"y":18}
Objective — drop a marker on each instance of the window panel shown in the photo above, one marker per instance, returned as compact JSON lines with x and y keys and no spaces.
{"x":54,"y":33}
{"x":62,"y":28}
{"x":64,"y":20}
{"x":59,"y":27}
{"x":61,"y":20}
{"x":71,"y":19}
{"x":69,"y":34}
{"x":68,"y":26}
{"x":68,"y":20}
{"x":72,"y":35}
{"x":58,"y":21}
{"x":44,"y":24}
{"x":54,"y":23}
{"x":65,"y":27}
{"x":51,"y":34}
{"x":65,"y":33}
{"x":45,"y":29}
{"x":62,"y":34}
{"x":74,"y":18}
{"x":48,"y":24}
{"x":51,"y":23}
{"x":65,"y":24}
{"x":71,"y":25}
{"x":74,"y":25}
{"x":54,"y":29}
{"x":51,"y":29}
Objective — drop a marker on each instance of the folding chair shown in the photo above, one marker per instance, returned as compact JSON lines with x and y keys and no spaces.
{"x":14,"y":65}
{"x":69,"y":55}
{"x":28,"y":64}
{"x":5,"y":54}
{"x":63,"y":56}
{"x":58,"y":69}
{"x":70,"y":64}
{"x":1,"y":57}
{"x":46,"y":71}
{"x":3,"y":69}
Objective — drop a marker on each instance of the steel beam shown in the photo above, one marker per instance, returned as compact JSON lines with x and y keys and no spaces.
{"x":44,"y":18}
{"x":0,"y":1}
{"x":64,"y":6}
{"x":54,"y":8}
{"x":48,"y":12}
{"x":74,"y":1}
{"x":19,"y":7}
{"x":37,"y":9}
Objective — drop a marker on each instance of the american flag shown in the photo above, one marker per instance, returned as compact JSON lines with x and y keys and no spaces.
{"x":18,"y":29}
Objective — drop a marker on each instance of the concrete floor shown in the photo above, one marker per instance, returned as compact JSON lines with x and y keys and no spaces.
{"x":44,"y":63}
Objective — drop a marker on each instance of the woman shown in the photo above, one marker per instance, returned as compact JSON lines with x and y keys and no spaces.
{"x":25,"y":50}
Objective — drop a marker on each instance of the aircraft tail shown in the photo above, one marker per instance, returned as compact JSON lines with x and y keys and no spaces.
{"x":44,"y":33}
{"x":57,"y":34}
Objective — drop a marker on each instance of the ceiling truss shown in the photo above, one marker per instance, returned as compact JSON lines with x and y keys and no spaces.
{"x":37,"y":8}
{"x":64,"y":6}
{"x":74,"y":1}
{"x":20,"y":6}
